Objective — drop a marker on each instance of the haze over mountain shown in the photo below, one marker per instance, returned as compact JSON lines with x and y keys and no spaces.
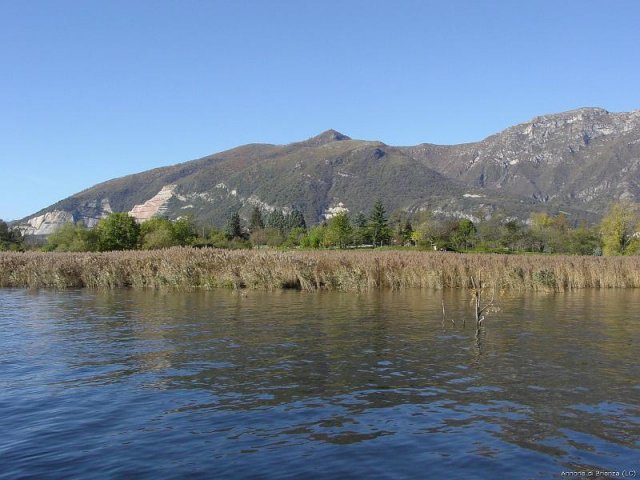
{"x":576,"y":162}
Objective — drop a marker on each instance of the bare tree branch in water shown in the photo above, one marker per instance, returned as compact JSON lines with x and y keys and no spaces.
{"x":480,"y":309}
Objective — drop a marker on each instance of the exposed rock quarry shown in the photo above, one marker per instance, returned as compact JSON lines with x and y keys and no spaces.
{"x":87,"y":213}
{"x":154,"y":205}
{"x":46,"y":224}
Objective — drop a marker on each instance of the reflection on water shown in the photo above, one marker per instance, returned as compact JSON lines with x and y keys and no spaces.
{"x":289,"y":384}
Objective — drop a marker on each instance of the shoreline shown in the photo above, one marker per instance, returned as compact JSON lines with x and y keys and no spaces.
{"x":349,"y":271}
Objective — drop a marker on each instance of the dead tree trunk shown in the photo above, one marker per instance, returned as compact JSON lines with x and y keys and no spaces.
{"x":477,"y":300}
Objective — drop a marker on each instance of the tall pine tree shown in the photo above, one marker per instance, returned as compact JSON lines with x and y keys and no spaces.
{"x":256,"y":222}
{"x":277,"y":220}
{"x":295,"y":220}
{"x":360,"y":229}
{"x":378,"y":226}
{"x":233,"y":228}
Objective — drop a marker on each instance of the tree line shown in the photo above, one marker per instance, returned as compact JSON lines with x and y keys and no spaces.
{"x":10,"y":238}
{"x":618,"y":233}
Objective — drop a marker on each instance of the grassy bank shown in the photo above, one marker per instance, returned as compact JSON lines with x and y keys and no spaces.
{"x":307,"y":270}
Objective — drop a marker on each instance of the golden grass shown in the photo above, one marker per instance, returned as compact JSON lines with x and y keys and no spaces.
{"x":310,"y":270}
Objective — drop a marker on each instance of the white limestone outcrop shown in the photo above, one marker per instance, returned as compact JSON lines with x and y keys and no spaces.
{"x":154,"y":206}
{"x":46,"y":224}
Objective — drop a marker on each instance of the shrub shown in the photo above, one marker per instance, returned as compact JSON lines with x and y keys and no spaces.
{"x":117,"y":231}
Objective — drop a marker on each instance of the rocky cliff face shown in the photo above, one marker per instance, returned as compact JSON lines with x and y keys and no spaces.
{"x":586,"y":157}
{"x":46,"y":223}
{"x":87,"y":213}
{"x":575,"y":161}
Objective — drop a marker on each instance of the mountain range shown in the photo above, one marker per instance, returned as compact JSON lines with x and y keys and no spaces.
{"x":575,"y":162}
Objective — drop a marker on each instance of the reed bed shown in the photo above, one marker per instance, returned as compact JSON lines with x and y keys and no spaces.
{"x":187,"y":268}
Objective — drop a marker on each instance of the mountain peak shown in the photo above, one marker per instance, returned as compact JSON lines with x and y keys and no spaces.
{"x":325,"y":137}
{"x":584,"y":112}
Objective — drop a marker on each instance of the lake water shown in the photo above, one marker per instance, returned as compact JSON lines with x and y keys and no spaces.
{"x":221,"y":384}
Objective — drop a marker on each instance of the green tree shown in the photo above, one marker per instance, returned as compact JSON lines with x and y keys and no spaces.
{"x":396,"y":222}
{"x":117,"y":231}
{"x":277,"y":220}
{"x":157,"y":233}
{"x":233,"y":228}
{"x":540,"y":221}
{"x":549,"y":234}
{"x":378,"y":227}
{"x":433,"y":233}
{"x":407,"y":232}
{"x":184,"y":231}
{"x":4,"y":231}
{"x":256,"y":222}
{"x":72,"y":237}
{"x":360,"y":229}
{"x":62,"y":239}
{"x":512,"y":235}
{"x":583,"y":241}
{"x":633,"y":248}
{"x":463,"y":235}
{"x":268,"y":236}
{"x":295,"y":237}
{"x":219,"y":239}
{"x":489,"y":231}
{"x":10,"y":238}
{"x":295,"y":220}
{"x":402,"y":232}
{"x":618,"y":227}
{"x":315,"y":237}
{"x":339,"y":231}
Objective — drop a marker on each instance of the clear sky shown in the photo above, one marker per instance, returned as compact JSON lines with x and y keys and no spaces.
{"x":91,"y":90}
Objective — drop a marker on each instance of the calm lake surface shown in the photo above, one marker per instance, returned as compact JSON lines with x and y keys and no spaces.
{"x":146,"y":384}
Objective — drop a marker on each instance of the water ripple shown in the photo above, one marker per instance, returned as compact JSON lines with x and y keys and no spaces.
{"x":289,"y":385}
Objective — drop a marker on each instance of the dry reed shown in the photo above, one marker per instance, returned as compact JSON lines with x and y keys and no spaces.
{"x":309,"y":270}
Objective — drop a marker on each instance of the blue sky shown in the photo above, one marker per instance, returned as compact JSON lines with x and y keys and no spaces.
{"x":91,"y":90}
